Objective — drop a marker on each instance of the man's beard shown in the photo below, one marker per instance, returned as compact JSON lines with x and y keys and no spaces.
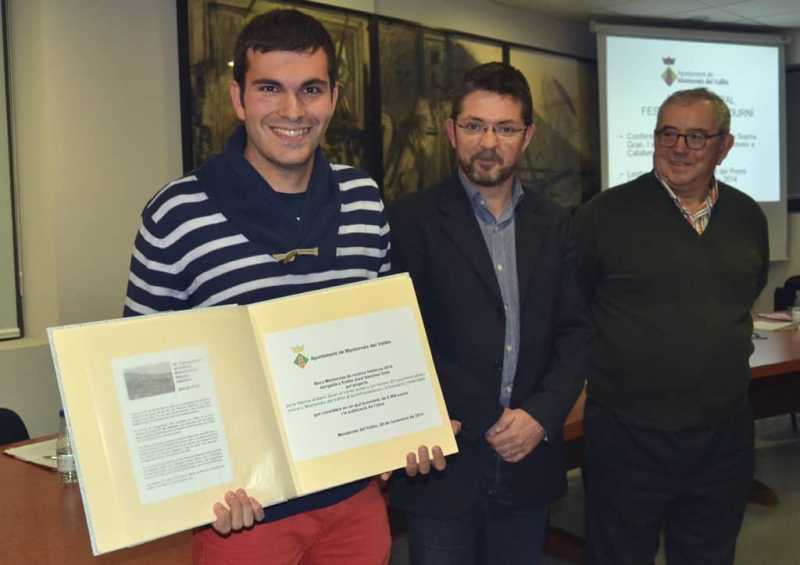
{"x":480,"y":177}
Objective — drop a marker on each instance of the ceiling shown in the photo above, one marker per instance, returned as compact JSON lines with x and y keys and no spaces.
{"x":727,"y":14}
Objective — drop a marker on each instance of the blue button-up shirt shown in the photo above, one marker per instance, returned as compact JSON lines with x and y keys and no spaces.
{"x":500,"y":240}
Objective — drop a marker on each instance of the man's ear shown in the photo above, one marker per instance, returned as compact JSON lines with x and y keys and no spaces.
{"x":450,"y":127}
{"x":335,"y":94}
{"x":725,"y":145}
{"x":529,"y":131}
{"x":237,"y":99}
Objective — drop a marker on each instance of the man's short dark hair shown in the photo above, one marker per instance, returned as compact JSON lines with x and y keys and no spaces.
{"x":282,"y":30}
{"x":498,"y":78}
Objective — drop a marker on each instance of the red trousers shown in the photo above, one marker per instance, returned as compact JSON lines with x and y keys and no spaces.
{"x":352,"y":532}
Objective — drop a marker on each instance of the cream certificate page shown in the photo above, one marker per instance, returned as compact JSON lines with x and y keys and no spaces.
{"x":351,"y":382}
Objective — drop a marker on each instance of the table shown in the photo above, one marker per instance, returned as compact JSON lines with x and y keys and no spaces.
{"x":775,"y":383}
{"x":43,"y":522}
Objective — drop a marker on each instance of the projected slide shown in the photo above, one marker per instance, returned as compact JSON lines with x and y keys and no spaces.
{"x":642,"y":72}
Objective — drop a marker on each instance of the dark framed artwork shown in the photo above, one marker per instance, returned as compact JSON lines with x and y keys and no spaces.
{"x":395,"y":81}
{"x":418,"y":70}
{"x":212,"y":28}
{"x":563,"y":160}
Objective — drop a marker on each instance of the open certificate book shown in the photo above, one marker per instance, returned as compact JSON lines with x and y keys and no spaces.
{"x":283,"y":398}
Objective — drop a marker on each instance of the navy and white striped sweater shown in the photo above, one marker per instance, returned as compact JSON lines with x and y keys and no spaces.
{"x":210,"y":238}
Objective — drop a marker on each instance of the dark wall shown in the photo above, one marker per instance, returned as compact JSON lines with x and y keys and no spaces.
{"x":793,"y":137}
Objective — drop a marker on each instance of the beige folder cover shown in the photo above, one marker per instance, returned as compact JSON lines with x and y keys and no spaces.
{"x":283,"y":398}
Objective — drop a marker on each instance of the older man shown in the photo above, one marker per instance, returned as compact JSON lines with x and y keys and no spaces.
{"x":672,"y":263}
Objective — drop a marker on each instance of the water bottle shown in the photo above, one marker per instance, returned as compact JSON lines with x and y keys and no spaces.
{"x":796,"y":310}
{"x":66,"y":461}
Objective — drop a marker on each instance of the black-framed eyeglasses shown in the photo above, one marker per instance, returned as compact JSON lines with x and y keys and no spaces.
{"x":694,"y":139}
{"x":475,"y":129}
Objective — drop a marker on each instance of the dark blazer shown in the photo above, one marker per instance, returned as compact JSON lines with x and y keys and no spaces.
{"x":436,"y":238}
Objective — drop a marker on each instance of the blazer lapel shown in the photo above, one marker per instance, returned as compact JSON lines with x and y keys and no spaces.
{"x":459,"y":223}
{"x":529,"y":234}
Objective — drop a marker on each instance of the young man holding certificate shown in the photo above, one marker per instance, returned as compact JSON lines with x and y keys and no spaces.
{"x":267,"y":217}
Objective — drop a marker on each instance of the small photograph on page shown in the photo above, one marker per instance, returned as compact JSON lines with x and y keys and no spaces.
{"x":149,"y":380}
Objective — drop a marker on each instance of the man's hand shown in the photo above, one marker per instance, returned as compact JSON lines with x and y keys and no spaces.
{"x":420,"y":462}
{"x":241,"y":512}
{"x":515,"y":435}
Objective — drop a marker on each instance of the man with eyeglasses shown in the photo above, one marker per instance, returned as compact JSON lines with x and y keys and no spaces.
{"x":672,"y":263}
{"x":495,"y":271}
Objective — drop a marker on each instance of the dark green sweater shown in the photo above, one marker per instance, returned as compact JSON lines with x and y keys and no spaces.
{"x":672,"y":308}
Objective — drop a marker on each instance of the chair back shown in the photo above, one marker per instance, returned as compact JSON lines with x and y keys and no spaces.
{"x":783,"y":299}
{"x":12,"y":428}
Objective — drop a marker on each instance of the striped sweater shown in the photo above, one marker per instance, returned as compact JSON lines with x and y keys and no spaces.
{"x":211,"y":237}
{"x":221,"y":235}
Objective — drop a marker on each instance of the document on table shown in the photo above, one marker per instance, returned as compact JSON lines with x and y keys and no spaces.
{"x":763,"y":325}
{"x":41,"y":453}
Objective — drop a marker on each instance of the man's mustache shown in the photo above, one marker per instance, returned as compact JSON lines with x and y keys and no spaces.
{"x":486,"y":155}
